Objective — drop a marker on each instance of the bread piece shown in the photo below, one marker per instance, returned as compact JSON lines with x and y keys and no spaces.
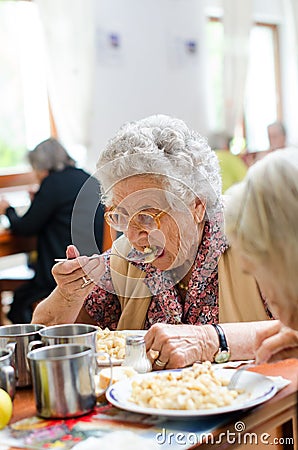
{"x":119,"y":373}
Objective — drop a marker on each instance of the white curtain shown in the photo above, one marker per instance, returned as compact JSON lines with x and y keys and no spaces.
{"x":294,"y":11}
{"x":237,"y":22}
{"x":69,"y":40}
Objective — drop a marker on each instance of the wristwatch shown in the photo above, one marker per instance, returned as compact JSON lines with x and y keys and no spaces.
{"x":223,"y":353}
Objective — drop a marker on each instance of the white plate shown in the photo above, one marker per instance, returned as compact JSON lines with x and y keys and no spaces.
{"x":258,"y":389}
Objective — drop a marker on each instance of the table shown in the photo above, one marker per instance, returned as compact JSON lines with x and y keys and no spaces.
{"x":11,"y":244}
{"x":280,"y":411}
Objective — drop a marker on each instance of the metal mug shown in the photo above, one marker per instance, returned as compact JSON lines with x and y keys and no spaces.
{"x":64,"y":379}
{"x":7,"y":372}
{"x":17,"y":338}
{"x":77,"y":333}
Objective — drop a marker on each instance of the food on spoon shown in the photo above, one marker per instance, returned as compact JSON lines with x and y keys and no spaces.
{"x":150,"y":253}
{"x":148,"y":250}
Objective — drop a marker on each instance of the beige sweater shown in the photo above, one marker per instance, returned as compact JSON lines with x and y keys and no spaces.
{"x":239,"y":296}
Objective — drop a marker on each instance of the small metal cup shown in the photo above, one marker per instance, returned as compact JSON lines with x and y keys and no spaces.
{"x":63,"y":380}
{"x":78,"y":333}
{"x":7,"y":372}
{"x":17,"y":338}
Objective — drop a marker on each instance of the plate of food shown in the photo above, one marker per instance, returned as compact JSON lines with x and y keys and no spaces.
{"x":196,"y":391}
{"x":113,"y":343}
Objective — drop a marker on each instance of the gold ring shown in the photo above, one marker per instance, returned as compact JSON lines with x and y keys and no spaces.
{"x":160,"y":363}
{"x":86,"y":282}
{"x":153,"y":354}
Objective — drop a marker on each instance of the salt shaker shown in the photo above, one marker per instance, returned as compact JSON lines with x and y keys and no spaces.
{"x":135,"y":354}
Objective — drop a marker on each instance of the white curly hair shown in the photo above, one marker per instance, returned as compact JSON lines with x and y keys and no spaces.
{"x":166,"y":147}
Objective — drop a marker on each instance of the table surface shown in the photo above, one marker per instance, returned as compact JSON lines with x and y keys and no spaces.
{"x":10,"y":244}
{"x":255,"y":419}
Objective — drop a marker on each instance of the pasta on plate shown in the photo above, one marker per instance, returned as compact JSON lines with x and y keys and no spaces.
{"x":193,"y":388}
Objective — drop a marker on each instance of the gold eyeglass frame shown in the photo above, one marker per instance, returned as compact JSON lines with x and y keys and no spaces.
{"x":155,"y":217}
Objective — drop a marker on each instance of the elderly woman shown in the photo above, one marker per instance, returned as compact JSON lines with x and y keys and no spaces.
{"x":172,"y":264}
{"x":261,"y":222}
{"x":57,"y":216}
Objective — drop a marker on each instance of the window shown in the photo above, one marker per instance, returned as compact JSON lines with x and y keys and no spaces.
{"x":215,"y":39}
{"x":24,"y":108}
{"x":261,"y":106}
{"x":262,"y":98}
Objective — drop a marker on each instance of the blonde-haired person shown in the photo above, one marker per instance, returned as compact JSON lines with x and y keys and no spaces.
{"x":262,"y":222}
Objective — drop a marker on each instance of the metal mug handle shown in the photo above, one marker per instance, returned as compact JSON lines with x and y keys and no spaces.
{"x":31,"y":346}
{"x":8,"y":380}
{"x":35,"y":344}
{"x":11,"y":347}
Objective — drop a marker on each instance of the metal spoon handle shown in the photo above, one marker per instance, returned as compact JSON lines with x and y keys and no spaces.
{"x":141,"y":258}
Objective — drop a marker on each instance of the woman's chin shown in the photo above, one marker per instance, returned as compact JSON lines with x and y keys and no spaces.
{"x":167,"y":261}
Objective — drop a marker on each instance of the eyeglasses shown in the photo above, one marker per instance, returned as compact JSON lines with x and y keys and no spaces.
{"x":145,"y":220}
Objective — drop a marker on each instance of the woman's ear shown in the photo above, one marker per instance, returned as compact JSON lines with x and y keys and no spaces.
{"x":200,"y":209}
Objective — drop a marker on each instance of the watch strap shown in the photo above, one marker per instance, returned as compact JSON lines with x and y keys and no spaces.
{"x":221,"y":337}
{"x":223,"y":354}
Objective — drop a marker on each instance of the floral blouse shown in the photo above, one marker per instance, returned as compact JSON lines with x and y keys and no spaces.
{"x":200,"y":305}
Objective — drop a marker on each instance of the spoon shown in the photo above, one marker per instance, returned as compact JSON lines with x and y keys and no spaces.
{"x":148,"y":256}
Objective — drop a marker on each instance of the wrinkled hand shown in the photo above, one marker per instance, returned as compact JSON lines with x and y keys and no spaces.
{"x":3,"y":206}
{"x":178,"y":345}
{"x":69,"y":274}
{"x":275,"y":343}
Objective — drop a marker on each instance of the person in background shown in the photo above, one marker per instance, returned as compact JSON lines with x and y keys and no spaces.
{"x":277,"y":136}
{"x":161,"y":183}
{"x":232,"y":168}
{"x":64,"y":210}
{"x":261,"y":222}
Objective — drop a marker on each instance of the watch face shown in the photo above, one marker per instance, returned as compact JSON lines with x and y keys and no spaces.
{"x":222,"y":356}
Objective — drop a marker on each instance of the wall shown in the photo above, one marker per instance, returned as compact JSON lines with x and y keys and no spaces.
{"x":151,"y":71}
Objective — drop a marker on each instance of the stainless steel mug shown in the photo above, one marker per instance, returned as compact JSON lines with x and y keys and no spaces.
{"x":78,"y":333}
{"x":7,"y":372}
{"x":63,"y":380}
{"x":17,"y":338}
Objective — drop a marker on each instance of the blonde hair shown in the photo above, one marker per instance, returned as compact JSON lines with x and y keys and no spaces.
{"x":261,"y":214}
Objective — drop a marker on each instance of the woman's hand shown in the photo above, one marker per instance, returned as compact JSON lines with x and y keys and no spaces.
{"x":173,"y":346}
{"x":72,"y":276}
{"x":66,"y":301}
{"x":32,"y":191}
{"x":275,"y":343}
{"x":179,"y":345}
